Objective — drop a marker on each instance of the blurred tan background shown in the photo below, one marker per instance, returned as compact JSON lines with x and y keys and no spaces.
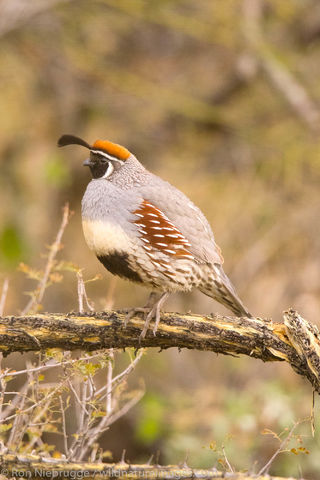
{"x":222,"y":100}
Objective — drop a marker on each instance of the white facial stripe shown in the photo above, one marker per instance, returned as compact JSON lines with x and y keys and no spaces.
{"x":106,"y":155}
{"x":109,"y":170}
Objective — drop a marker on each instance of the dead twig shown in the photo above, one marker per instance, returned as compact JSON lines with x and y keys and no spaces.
{"x":54,"y":249}
{"x":82,"y":294}
{"x":64,"y":428}
{"x":279,"y":450}
{"x":3,"y":297}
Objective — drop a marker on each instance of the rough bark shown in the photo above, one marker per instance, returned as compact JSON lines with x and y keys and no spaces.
{"x":296,"y":341}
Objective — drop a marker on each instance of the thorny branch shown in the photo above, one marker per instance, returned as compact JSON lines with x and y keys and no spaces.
{"x":32,"y":410}
{"x":282,"y":446}
{"x":27,"y":466}
{"x":36,"y":299}
{"x":296,"y":341}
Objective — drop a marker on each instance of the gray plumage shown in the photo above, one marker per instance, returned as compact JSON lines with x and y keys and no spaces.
{"x":131,"y":248}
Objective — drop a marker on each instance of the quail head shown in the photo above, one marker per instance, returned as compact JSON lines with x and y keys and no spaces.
{"x":145,"y":230}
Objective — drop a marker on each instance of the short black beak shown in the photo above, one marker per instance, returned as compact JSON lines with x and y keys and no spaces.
{"x":87,"y":163}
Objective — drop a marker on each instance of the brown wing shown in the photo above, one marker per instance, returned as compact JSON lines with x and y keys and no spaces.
{"x":159,"y":234}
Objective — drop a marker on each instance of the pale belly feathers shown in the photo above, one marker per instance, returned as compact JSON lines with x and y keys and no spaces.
{"x":104,"y":237}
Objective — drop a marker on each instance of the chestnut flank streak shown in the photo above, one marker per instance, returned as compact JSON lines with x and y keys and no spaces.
{"x":173,"y":243}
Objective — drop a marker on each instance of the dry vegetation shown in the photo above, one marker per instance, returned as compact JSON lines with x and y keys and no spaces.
{"x":221,"y":99}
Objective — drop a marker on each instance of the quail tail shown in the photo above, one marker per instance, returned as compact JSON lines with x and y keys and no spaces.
{"x":221,"y":289}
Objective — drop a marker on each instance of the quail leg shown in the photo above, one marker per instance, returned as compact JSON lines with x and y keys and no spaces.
{"x":151,"y":310}
{"x":154,"y":313}
{"x":158,"y":306}
{"x":146,"y":309}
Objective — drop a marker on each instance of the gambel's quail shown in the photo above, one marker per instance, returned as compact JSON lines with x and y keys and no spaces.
{"x":143,"y":229}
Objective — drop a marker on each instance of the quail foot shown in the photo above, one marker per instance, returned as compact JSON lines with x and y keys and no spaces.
{"x":143,"y":229}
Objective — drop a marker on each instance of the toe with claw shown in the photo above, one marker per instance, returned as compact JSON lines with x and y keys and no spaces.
{"x":150,"y":311}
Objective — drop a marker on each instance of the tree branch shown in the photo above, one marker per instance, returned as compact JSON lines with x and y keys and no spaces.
{"x":32,"y":466}
{"x":296,"y":341}
{"x":17,"y":13}
{"x":276,"y":71}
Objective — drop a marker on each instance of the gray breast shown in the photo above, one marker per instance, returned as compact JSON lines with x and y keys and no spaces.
{"x":105,"y":201}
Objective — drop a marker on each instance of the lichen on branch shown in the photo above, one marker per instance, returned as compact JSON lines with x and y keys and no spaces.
{"x":296,"y":341}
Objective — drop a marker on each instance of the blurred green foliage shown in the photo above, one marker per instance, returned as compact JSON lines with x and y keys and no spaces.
{"x":11,"y":245}
{"x":57,"y":172}
{"x":151,"y":423}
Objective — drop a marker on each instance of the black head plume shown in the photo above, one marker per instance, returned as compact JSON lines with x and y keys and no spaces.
{"x":72,"y":140}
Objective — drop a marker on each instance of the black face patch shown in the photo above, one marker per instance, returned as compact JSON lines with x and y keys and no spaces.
{"x":117,"y":264}
{"x":98,"y":170}
{"x":98,"y":165}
